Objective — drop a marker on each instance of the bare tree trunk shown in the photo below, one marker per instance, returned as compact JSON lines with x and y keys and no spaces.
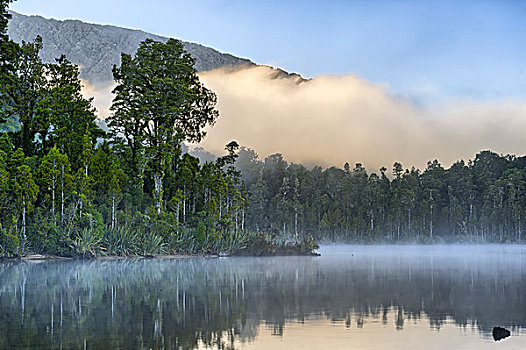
{"x":431,"y":222}
{"x":157,"y":178}
{"x":220,"y":207}
{"x":296,"y":222}
{"x":113,"y":212}
{"x":520,"y":232}
{"x":24,"y":237}
{"x":62,"y":198}
{"x":409,"y":219}
{"x":53,"y":185}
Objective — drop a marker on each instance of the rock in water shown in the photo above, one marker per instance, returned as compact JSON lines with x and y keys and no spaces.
{"x":500,"y":333}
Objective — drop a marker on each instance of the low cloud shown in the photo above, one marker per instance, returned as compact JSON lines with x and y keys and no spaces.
{"x":330,"y":120}
{"x":102,"y":96}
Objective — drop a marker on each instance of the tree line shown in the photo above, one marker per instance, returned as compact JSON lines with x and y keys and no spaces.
{"x":68,"y":187}
{"x":481,"y":200}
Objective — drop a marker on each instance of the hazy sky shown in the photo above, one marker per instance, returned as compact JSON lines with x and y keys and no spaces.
{"x":423,"y":50}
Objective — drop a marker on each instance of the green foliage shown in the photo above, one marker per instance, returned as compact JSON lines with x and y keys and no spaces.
{"x":152,"y":243}
{"x":479,"y":201}
{"x":95,"y":194}
{"x":159,"y":102}
{"x":10,"y":244}
{"x":122,"y":242}
{"x":87,"y":244}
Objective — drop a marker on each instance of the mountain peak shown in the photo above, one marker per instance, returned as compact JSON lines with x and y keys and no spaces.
{"x":96,"y":47}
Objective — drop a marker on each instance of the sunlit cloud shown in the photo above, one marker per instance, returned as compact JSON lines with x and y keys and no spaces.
{"x":102,"y":96}
{"x":330,"y":120}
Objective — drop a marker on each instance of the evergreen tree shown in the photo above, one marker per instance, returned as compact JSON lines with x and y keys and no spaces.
{"x":159,"y":102}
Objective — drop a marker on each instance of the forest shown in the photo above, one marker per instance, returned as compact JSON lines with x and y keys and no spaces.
{"x":68,"y":187}
{"x":478,"y":201}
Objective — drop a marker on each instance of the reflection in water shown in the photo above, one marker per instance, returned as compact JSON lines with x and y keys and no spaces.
{"x":241,"y":302}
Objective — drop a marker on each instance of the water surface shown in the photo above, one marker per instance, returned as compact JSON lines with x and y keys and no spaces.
{"x":359,"y":297}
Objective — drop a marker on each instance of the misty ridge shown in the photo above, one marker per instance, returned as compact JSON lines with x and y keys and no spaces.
{"x":327,"y":120}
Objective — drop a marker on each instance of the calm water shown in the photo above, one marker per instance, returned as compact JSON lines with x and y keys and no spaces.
{"x":352,"y":297}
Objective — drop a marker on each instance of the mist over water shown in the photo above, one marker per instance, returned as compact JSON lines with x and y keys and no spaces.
{"x":386,"y":296}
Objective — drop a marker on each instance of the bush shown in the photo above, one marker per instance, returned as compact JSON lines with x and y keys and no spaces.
{"x":9,"y":244}
{"x":88,"y":243}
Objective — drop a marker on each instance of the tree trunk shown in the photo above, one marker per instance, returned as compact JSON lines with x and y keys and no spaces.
{"x":431,"y":222}
{"x":220,"y":207}
{"x":177,"y":212}
{"x":62,"y":198}
{"x":520,"y":231}
{"x":236,"y":220}
{"x":409,"y":220}
{"x":113,"y":212}
{"x":24,"y":237}
{"x":53,"y":188}
{"x":296,"y":222}
{"x":158,"y":183}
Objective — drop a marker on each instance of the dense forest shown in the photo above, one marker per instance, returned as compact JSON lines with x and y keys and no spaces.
{"x":68,"y":187}
{"x":478,"y":201}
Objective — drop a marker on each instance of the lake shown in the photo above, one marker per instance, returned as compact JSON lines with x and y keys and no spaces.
{"x":351,"y":297}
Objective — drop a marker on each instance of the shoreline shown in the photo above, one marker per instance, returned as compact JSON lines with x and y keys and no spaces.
{"x":47,"y":257}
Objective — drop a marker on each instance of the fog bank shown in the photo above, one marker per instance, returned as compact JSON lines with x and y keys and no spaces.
{"x":330,"y":120}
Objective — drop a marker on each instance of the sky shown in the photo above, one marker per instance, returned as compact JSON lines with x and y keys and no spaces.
{"x":425,"y":51}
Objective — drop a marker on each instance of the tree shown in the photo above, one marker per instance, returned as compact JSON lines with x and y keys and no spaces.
{"x":54,"y":179}
{"x":159,"y":102}
{"x":71,"y":116}
{"x":8,"y":48}
{"x":25,"y":190}
{"x":25,"y":96}
{"x":109,"y":178}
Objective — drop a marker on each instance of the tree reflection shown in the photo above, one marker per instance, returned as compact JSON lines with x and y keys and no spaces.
{"x":180,"y":303}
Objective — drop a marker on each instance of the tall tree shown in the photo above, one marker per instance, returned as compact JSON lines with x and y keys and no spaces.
{"x":72,"y":116}
{"x":159,"y":102}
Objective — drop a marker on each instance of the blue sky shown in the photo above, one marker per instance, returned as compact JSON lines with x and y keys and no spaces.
{"x":425,"y":50}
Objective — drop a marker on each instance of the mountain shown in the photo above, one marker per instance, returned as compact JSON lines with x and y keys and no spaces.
{"x":96,"y":48}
